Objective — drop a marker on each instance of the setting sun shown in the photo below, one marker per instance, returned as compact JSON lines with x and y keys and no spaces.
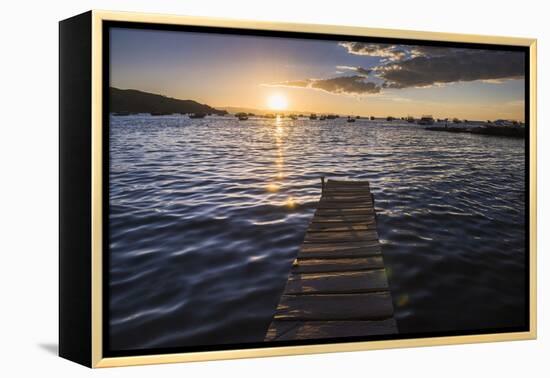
{"x":277,"y":102}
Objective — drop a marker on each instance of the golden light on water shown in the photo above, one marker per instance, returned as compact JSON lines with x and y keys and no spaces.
{"x":272,"y":188}
{"x":290,"y":203}
{"x":403,"y":300}
{"x":277,"y":101}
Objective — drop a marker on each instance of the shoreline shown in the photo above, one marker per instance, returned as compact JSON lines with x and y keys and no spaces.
{"x":513,"y":132}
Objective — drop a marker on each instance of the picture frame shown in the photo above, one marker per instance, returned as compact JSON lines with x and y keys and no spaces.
{"x":84,"y":120}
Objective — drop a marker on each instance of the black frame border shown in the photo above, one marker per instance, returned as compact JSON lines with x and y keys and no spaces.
{"x":106,"y":28}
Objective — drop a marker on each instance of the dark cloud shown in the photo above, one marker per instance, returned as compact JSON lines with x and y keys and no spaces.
{"x":346,"y":84}
{"x":360,"y":70}
{"x":433,"y":51}
{"x":352,"y":85}
{"x":455,"y":66}
{"x":391,"y":52}
{"x":363,"y":71}
{"x":407,"y":66}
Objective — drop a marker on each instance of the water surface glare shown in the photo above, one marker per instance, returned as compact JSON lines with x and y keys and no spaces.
{"x":207,"y":215}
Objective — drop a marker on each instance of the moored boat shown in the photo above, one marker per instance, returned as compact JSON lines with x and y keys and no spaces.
{"x":197,"y":115}
{"x":426,"y":120}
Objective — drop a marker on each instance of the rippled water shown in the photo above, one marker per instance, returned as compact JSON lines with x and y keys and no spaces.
{"x":207,"y":216}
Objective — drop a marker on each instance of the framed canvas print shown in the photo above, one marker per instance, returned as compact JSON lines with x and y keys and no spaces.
{"x":237,"y":189}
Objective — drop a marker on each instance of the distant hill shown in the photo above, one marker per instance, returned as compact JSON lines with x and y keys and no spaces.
{"x":134,"y":101}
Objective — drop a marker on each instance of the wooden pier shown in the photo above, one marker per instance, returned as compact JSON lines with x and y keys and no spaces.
{"x":337,"y":286}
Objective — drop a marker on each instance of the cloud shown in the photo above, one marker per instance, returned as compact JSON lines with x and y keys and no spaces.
{"x":432,"y":51}
{"x":350,"y":85}
{"x":456,"y":66}
{"x":391,"y":52}
{"x":360,"y":70}
{"x":408,"y":66}
{"x":296,"y":83}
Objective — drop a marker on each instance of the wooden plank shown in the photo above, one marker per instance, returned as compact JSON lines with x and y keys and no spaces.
{"x":299,"y":330}
{"x":344,"y":205}
{"x":343,"y":254}
{"x":344,"y":212}
{"x":337,"y":286}
{"x":344,"y":192}
{"x":338,"y":187}
{"x":335,"y":247}
{"x":343,"y":218}
{"x":345,"y":197}
{"x":364,"y":246}
{"x":363,"y":306}
{"x":341,"y":226}
{"x":346,"y":183}
{"x":347,"y":254}
{"x":337,"y":282}
{"x":337,"y":265}
{"x":339,"y":250}
{"x":340,"y":236}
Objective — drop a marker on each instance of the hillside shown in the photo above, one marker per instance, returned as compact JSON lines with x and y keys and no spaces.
{"x":134,"y":101}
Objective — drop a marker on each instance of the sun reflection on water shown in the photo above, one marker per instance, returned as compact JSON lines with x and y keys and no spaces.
{"x":279,"y":133}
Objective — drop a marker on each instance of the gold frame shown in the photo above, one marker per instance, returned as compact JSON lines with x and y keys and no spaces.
{"x":97,"y":357}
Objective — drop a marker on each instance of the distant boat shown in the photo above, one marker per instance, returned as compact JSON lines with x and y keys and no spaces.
{"x":372,"y":118}
{"x":389,"y":118}
{"x":313,"y":116}
{"x":357,"y":117}
{"x":331,"y":116}
{"x":197,"y":115}
{"x":426,"y":120}
{"x":242,"y":116}
{"x":351,"y":119}
{"x":410,"y":119}
{"x":503,"y":122}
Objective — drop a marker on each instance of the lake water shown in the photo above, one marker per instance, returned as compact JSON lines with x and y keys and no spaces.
{"x":207,"y":216}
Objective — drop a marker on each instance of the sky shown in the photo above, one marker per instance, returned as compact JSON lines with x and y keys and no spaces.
{"x":342,"y":77}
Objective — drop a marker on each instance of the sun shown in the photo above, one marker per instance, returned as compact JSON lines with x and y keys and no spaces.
{"x":277,"y":101}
